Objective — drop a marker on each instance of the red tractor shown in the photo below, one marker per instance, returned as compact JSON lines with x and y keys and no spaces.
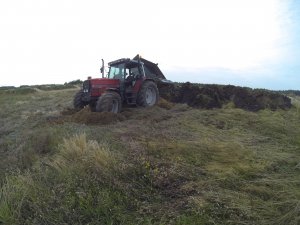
{"x":130,"y":81}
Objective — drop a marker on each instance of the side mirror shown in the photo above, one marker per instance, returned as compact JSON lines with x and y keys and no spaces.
{"x":101,"y":69}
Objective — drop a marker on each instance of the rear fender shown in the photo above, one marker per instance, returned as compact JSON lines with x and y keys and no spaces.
{"x":138,"y":84}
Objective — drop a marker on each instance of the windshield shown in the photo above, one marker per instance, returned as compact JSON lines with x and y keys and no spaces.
{"x":116,"y":71}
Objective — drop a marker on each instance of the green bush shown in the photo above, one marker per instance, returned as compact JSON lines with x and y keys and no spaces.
{"x":51,"y":87}
{"x":74,"y":82}
{"x":19,"y":91}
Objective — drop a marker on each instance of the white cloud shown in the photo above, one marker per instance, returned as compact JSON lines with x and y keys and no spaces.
{"x":56,"y":41}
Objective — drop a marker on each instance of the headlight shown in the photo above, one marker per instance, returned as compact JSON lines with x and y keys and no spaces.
{"x":86,"y":86}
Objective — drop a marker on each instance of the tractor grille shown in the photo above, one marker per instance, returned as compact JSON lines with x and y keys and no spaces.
{"x":86,"y":86}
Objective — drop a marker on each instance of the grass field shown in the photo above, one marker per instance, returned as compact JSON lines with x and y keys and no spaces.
{"x":169,"y":164}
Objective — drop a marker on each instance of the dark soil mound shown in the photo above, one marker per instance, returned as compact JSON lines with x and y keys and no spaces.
{"x":254,"y":100}
{"x":87,"y":117}
{"x":214,"y":96}
{"x":69,"y":111}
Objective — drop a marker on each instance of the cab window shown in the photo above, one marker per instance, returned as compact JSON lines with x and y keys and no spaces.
{"x":116,"y":71}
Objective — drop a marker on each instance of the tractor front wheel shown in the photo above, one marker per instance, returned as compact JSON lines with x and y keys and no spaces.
{"x":77,"y":102}
{"x":148,"y":94}
{"x":109,"y":102}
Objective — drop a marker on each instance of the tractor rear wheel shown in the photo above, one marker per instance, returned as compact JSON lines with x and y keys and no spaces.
{"x":109,"y":102}
{"x":77,"y":102}
{"x":148,"y":94}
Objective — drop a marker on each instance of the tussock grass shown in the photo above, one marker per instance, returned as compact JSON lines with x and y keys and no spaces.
{"x":12,"y":195}
{"x":75,"y":186}
{"x":78,"y":151}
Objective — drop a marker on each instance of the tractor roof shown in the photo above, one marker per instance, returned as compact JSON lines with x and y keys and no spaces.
{"x":152,"y":66}
{"x":118,"y":61}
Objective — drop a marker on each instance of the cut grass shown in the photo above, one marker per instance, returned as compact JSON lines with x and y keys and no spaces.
{"x":239,"y":153}
{"x":162,"y":165}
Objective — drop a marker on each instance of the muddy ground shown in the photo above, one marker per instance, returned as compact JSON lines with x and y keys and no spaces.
{"x":215,"y":96}
{"x":86,"y":116}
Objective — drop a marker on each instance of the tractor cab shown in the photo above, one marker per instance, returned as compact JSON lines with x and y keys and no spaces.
{"x":125,"y":69}
{"x":131,"y":74}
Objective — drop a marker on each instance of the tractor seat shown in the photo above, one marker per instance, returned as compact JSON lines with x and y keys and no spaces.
{"x":130,"y":78}
{"x":117,"y":76}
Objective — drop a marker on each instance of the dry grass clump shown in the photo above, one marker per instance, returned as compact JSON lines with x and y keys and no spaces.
{"x":163,"y":103}
{"x":78,"y":151}
{"x":75,"y":186}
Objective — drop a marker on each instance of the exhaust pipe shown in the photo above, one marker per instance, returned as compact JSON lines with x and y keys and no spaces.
{"x":102,"y":68}
{"x":141,"y":66}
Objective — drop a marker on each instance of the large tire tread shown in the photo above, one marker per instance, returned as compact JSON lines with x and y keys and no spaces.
{"x":77,"y":102}
{"x":141,"y":98}
{"x":105,"y":102}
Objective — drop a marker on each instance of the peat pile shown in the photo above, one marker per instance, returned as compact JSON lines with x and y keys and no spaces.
{"x":85,"y":116}
{"x":214,"y":96}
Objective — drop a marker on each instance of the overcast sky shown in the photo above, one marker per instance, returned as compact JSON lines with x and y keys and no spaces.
{"x":242,"y":42}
